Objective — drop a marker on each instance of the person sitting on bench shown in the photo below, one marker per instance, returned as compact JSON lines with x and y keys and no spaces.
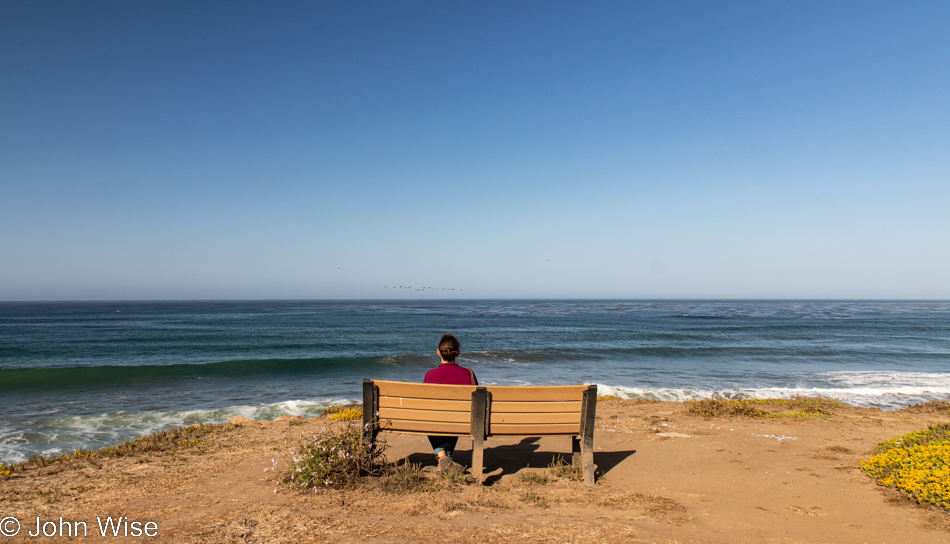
{"x":448,"y":373}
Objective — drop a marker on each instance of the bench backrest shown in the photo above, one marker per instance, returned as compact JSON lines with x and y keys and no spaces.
{"x":536,"y":410}
{"x":425,"y":408}
{"x":436,"y":409}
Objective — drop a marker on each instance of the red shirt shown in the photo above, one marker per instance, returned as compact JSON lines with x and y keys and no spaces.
{"x":451,"y":374}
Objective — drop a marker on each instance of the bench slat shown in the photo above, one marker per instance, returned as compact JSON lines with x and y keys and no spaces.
{"x":505,"y":407}
{"x":532,"y":393}
{"x":535,"y":430}
{"x":569,"y":417}
{"x":427,"y":433}
{"x":425,"y":415}
{"x":424,"y":390}
{"x":433,"y":427}
{"x":427,"y":404}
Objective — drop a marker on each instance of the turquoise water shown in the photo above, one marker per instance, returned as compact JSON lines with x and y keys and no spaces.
{"x":86,"y":374}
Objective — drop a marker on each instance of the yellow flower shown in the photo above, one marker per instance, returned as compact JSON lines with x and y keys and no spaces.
{"x":917,"y":464}
{"x":349,"y":413}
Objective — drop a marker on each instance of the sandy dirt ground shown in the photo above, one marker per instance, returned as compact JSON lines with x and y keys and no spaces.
{"x":663,"y":476}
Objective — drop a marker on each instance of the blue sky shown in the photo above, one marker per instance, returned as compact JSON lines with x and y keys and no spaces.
{"x":238,"y":150}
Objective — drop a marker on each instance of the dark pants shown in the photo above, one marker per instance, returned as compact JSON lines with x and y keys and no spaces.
{"x":443,"y":443}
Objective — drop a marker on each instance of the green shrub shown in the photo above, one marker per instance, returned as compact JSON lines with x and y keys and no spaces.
{"x":335,"y":457}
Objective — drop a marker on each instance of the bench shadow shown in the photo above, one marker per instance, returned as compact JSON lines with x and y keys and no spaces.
{"x":608,"y":460}
{"x":427,"y":459}
{"x":510,"y":458}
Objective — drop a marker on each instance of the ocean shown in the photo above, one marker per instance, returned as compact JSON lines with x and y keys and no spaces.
{"x":90,"y":374}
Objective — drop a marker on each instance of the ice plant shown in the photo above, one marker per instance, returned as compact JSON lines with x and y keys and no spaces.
{"x":347,"y":414}
{"x":917,"y":463}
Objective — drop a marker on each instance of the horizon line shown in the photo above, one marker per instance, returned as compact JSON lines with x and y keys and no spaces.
{"x":579,"y":299}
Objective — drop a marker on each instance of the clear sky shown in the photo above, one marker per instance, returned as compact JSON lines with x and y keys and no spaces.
{"x":526,"y":149}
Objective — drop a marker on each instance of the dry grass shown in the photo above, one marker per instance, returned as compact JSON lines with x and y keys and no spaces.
{"x":405,"y":478}
{"x":408,"y":478}
{"x":798,"y":407}
{"x":722,"y":407}
{"x":929,"y":407}
{"x":534,"y":477}
{"x":536,"y":500}
{"x":559,"y":468}
{"x":619,"y":400}
{"x":657,"y":507}
{"x":194,"y":439}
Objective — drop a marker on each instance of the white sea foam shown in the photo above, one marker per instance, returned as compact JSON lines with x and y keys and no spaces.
{"x":887,"y":380}
{"x":652,"y":393}
{"x":889,"y":390}
{"x":57,"y":435}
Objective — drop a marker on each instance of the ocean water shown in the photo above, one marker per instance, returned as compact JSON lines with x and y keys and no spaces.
{"x":86,"y":375}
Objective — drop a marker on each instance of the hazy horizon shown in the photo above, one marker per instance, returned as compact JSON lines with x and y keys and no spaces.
{"x":104,"y":301}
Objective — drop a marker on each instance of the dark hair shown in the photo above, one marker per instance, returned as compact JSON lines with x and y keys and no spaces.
{"x":449,"y":347}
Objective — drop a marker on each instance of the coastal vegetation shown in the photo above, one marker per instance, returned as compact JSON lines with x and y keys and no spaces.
{"x":343,"y":412}
{"x":192,"y":439}
{"x":337,"y":458}
{"x":797,"y":407}
{"x":934,"y":406}
{"x":917,"y":464}
{"x":334,"y":457}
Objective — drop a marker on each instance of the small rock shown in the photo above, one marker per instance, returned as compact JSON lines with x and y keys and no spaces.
{"x":239,"y":420}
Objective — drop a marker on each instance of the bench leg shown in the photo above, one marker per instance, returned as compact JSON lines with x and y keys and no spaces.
{"x":587,"y":459}
{"x":478,"y":458}
{"x":588,"y":416}
{"x":370,"y":408}
{"x":481,"y":402}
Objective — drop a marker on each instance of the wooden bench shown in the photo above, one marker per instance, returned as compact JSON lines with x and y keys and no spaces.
{"x":482,"y":412}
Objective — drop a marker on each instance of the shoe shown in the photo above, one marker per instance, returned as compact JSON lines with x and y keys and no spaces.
{"x":448,"y":466}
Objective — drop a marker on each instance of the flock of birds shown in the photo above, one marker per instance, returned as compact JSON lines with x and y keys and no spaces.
{"x":422,"y":288}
